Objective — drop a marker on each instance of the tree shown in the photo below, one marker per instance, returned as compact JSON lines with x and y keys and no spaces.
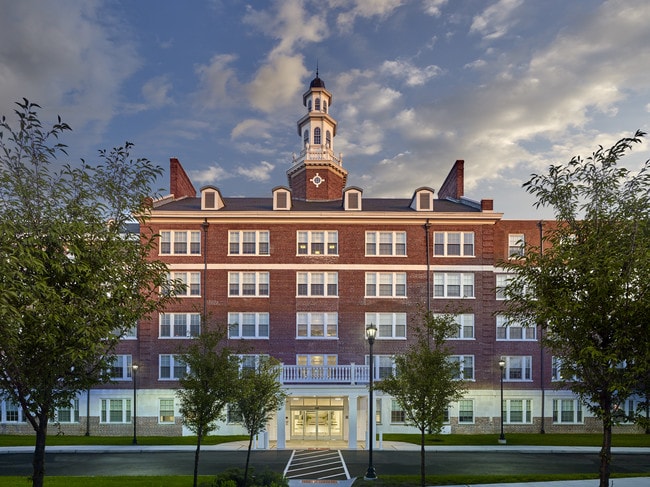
{"x":426,"y":379}
{"x":72,"y":282}
{"x":208,"y":386}
{"x":259,"y":396}
{"x":589,"y":286}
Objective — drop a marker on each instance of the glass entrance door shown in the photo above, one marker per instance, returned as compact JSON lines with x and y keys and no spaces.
{"x":317,"y":424}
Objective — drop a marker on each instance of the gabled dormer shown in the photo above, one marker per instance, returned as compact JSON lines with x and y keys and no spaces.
{"x":281,"y":198}
{"x":422,"y":199}
{"x":211,"y":198}
{"x":352,"y":199}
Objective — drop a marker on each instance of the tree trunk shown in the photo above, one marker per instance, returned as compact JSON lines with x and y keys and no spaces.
{"x":606,"y":449}
{"x":422,"y":465}
{"x":199,"y":434}
{"x":248,"y":457}
{"x":38,"y":462}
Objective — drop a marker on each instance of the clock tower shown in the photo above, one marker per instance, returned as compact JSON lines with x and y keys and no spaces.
{"x":317,"y":174}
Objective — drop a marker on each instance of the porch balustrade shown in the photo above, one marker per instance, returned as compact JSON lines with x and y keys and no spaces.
{"x":335,"y":374}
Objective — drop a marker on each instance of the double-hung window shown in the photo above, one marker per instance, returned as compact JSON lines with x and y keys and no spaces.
{"x":514,"y":331}
{"x":68,"y":414}
{"x":248,"y":325}
{"x":518,"y":411}
{"x":115,"y":411}
{"x":516,"y":244}
{"x":397,"y":414}
{"x":190,"y":283}
{"x":385,"y":243}
{"x":567,"y":411}
{"x":518,"y":368}
{"x":180,"y":325}
{"x":384,"y":365}
{"x":244,"y":284}
{"x":324,"y":284}
{"x":172,"y":367}
{"x":178,"y":242}
{"x":316,"y":325}
{"x":466,"y":411}
{"x":453,"y":244}
{"x":385,"y":284}
{"x":12,"y":412}
{"x":453,"y":285}
{"x":465,"y":323}
{"x":318,"y":242}
{"x":121,"y":367}
{"x":248,"y":242}
{"x":166,"y":410}
{"x":465,"y":365}
{"x":389,"y":325}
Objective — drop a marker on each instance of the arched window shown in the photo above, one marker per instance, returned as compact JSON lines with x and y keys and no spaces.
{"x":328,"y":139}
{"x":305,"y":137}
{"x":317,"y":104}
{"x":317,"y":135}
{"x":325,"y":106}
{"x":309,"y":106}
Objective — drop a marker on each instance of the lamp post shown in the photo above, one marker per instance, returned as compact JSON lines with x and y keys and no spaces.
{"x":502,"y":365}
{"x":134,"y":368}
{"x":371,"y":333}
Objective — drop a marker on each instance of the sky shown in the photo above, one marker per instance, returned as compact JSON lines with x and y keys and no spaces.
{"x":509,"y":86}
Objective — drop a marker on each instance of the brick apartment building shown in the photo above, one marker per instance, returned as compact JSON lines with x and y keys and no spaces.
{"x":300,"y":274}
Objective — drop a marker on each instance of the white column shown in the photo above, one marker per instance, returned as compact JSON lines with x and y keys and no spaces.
{"x":352,"y":421}
{"x":281,"y":434}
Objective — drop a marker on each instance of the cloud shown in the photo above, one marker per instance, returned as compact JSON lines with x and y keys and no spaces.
{"x":496,"y":19}
{"x":378,"y":9}
{"x":217,"y":81}
{"x":261,"y":172}
{"x":413,"y":75}
{"x":277,"y":83}
{"x":156,"y":91}
{"x":211,"y":175}
{"x":253,"y":128}
{"x":434,"y":7}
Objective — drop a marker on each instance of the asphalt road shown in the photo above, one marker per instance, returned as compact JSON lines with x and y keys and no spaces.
{"x":385,"y":462}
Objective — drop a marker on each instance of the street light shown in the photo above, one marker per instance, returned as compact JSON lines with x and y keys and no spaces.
{"x":134,"y":367}
{"x":502,"y":365}
{"x":371,"y":333}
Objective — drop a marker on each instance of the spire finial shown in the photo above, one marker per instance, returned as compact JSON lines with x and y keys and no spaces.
{"x":317,"y":68}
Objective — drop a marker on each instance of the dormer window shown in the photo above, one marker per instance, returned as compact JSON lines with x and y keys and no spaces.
{"x":422,"y":200}
{"x":352,"y":199}
{"x":281,"y":199}
{"x":211,"y":198}
{"x":317,"y":136}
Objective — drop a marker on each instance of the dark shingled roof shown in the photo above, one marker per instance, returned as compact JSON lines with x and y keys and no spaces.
{"x":368,"y":204}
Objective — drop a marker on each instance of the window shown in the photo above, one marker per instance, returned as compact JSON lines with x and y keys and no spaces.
{"x":317,"y":133}
{"x":518,"y":411}
{"x":384,"y":365}
{"x":68,"y":414}
{"x":453,"y":285}
{"x":121,"y":368}
{"x":502,"y":282}
{"x":465,"y":366}
{"x":180,"y":325}
{"x":12,"y":412}
{"x":397,"y":414}
{"x":557,"y":374}
{"x":465,"y":329}
{"x":305,"y":135}
{"x":316,"y":366}
{"x":466,"y":411}
{"x":248,"y":325}
{"x":248,"y":242}
{"x":317,"y":104}
{"x":191,"y":283}
{"x":385,"y":243}
{"x":115,"y":411}
{"x":318,"y":243}
{"x":325,"y":106}
{"x":518,"y":368}
{"x":245,"y":284}
{"x":172,"y":367}
{"x":516,"y":245}
{"x":567,"y":411}
{"x":166,"y":410}
{"x":233,"y":414}
{"x":249,"y":361}
{"x":453,"y":244}
{"x":386,"y":284}
{"x":316,"y":325}
{"x":328,"y":139}
{"x":511,"y":330}
{"x":176,"y":242}
{"x":317,"y":284}
{"x":389,"y":325}
{"x":131,"y":333}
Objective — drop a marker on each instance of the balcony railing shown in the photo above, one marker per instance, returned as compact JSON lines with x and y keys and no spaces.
{"x":335,"y":374}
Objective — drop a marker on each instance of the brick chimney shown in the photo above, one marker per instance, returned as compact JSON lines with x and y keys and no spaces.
{"x":454,"y":185}
{"x":180,"y":185}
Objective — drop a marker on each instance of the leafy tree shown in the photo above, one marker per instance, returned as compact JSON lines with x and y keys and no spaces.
{"x":72,"y":282}
{"x":589,"y":287}
{"x":208,"y":387}
{"x":259,"y":396}
{"x":426,"y":380}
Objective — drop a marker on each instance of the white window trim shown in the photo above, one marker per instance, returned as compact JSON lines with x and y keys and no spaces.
{"x":174,"y":362}
{"x":235,"y":319}
{"x":578,"y":411}
{"x":330,"y":319}
{"x":394,"y":278}
{"x":394,"y":244}
{"x":330,"y":237}
{"x":105,"y":413}
{"x":172,"y":326}
{"x":464,"y":321}
{"x":473,"y":421}
{"x":126,"y":367}
{"x":446,"y":285}
{"x":189,"y":278}
{"x":160,"y":421}
{"x":261,"y":279}
{"x":527,"y":368}
{"x":258,"y":242}
{"x":376,"y":319}
{"x":464,"y":237}
{"x":329,"y":279}
{"x":516,"y":245}
{"x":461,"y":360}
{"x":191,"y":236}
{"x":527,"y":412}
{"x":508,"y":327}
